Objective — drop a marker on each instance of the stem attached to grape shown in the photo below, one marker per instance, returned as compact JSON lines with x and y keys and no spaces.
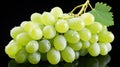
{"x":83,"y":8}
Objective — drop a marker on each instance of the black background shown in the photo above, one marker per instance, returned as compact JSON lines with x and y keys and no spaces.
{"x":12,"y":13}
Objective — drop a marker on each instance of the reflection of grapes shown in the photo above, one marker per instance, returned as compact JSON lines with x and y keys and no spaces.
{"x":84,"y":61}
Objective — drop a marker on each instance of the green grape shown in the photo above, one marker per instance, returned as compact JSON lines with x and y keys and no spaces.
{"x":76,"y":46}
{"x":23,"y":38}
{"x":53,"y":56}
{"x":85,"y":44}
{"x":49,"y":32}
{"x":103,"y":49}
{"x":109,"y":46}
{"x":72,"y":36}
{"x":15,"y":31}
{"x":77,"y":54}
{"x":47,"y":18}
{"x":32,"y":46}
{"x":21,"y":56}
{"x":94,"y":38}
{"x":61,"y":26}
{"x":35,"y":33}
{"x":95,"y":27}
{"x":104,"y":28}
{"x":68,"y":54}
{"x":34,"y":58}
{"x":66,"y":16}
{"x":28,"y":25}
{"x":94,"y":49}
{"x":36,"y":17}
{"x":57,"y":12}
{"x":83,"y":52}
{"x":85,"y":34}
{"x":60,"y":42}
{"x":12,"y":48}
{"x":106,"y":36}
{"x":88,"y":18}
{"x":76,"y":24}
{"x":41,"y":26}
{"x":44,"y":46}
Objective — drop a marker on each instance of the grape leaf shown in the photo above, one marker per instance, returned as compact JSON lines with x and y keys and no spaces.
{"x":102,"y":14}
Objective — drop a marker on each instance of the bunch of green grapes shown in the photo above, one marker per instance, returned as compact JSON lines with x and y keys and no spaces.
{"x":56,"y":36}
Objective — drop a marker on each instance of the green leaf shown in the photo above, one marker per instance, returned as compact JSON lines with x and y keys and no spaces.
{"x":102,"y":14}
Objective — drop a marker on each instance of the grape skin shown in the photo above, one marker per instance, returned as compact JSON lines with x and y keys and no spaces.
{"x":32,"y":46}
{"x":53,"y":56}
{"x":72,"y":36}
{"x":60,"y":42}
{"x":68,"y":54}
{"x":61,"y":26}
{"x":44,"y":46}
{"x":88,"y":18}
{"x":94,"y":49}
{"x":49,"y":32}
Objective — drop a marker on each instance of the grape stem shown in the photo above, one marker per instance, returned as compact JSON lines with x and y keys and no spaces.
{"x":83,"y":8}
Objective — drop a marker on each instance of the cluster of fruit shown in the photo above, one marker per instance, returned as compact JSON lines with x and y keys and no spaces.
{"x":56,"y":36}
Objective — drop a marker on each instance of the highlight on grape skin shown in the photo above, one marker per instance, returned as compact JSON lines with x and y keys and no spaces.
{"x":58,"y":36}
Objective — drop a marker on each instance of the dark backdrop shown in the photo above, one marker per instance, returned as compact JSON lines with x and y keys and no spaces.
{"x":12,"y":13}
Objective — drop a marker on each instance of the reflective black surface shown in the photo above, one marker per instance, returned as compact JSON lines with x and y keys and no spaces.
{"x":86,"y":61}
{"x":12,"y":13}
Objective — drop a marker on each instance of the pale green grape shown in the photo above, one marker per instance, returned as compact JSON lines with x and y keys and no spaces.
{"x":61,"y":26}
{"x":68,"y":54}
{"x":57,"y":12}
{"x":76,"y":24}
{"x":88,"y":18}
{"x":15,"y":31}
{"x":84,"y":34}
{"x":103,"y":49}
{"x":12,"y":48}
{"x":94,"y":38}
{"x":66,"y":16}
{"x":32,"y":46}
{"x":104,"y":28}
{"x":47,"y":18}
{"x":34,"y":58}
{"x":106,"y":36}
{"x":28,"y":25}
{"x":49,"y":32}
{"x":72,"y":36}
{"x":77,"y":54}
{"x":23,"y":38}
{"x":21,"y":56}
{"x":95,"y":27}
{"x":44,"y":46}
{"x":35,"y":33}
{"x":53,"y":56}
{"x":109,"y":46}
{"x":76,"y":46}
{"x":83,"y":52}
{"x":94,"y":49}
{"x":60,"y":42}
{"x":36,"y":17}
{"x":85,"y":44}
